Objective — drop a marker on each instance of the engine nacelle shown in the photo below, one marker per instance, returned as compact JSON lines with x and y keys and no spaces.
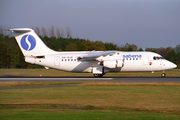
{"x":113,"y":63}
{"x":110,"y":64}
{"x":119,"y":63}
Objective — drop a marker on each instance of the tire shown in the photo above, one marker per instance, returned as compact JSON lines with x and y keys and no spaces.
{"x":98,"y":75}
{"x":163,"y":75}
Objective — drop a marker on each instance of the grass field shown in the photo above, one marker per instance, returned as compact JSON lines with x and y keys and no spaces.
{"x":92,"y":101}
{"x":89,"y":100}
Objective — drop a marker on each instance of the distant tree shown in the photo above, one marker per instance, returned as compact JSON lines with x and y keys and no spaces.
{"x":8,"y":58}
{"x":134,"y":47}
{"x":99,"y":46}
{"x":177,"y":48}
{"x":150,"y":49}
{"x":173,"y":57}
{"x":52,"y":31}
{"x":128,"y":47}
{"x":88,"y":45}
{"x":163,"y":51}
{"x":68,"y":32}
{"x":110,"y":46}
{"x":37,"y":30}
{"x":3,"y":52}
{"x":2,"y":31}
{"x":80,"y":45}
{"x":71,"y":47}
{"x":63,"y":33}
{"x":140,"y":49}
{"x":44,"y":31}
{"x":15,"y":56}
{"x":58,"y":33}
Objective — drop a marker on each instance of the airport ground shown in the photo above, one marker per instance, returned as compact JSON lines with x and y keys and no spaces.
{"x":89,"y":99}
{"x":57,"y":73}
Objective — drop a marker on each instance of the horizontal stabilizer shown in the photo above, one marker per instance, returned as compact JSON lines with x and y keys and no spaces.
{"x":20,"y":30}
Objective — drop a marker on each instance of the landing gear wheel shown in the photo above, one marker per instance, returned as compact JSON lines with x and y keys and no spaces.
{"x":98,"y":75}
{"x":163,"y":75}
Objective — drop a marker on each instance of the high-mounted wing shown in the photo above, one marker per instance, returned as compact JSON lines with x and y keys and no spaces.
{"x":93,"y":55}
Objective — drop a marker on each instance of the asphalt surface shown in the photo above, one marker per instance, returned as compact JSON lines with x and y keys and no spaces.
{"x":65,"y":79}
{"x":51,"y":79}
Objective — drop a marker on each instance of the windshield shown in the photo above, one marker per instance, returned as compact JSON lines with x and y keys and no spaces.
{"x":158,"y":58}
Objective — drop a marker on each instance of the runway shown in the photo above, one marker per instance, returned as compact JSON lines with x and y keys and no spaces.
{"x":65,"y":79}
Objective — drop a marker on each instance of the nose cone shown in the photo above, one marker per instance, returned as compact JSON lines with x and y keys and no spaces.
{"x":174,"y":65}
{"x":170,"y":65}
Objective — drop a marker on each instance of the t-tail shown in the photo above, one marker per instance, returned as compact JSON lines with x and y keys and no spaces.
{"x":30,"y":44}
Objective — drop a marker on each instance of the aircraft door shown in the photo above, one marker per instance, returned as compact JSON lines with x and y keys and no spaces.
{"x":145,"y":59}
{"x":56,"y":61}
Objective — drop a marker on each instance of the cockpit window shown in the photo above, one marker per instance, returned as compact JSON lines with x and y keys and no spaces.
{"x":158,"y":57}
{"x":161,"y":57}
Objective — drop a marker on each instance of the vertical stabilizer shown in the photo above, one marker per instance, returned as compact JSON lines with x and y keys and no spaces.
{"x":30,"y":43}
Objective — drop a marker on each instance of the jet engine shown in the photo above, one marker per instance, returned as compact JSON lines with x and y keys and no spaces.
{"x":112,"y":63}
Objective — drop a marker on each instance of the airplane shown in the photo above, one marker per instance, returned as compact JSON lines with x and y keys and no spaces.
{"x":96,"y":62}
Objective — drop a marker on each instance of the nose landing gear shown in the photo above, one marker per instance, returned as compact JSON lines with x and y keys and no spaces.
{"x":163,"y":74}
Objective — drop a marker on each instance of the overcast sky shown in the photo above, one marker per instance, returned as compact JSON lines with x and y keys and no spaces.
{"x":145,"y":23}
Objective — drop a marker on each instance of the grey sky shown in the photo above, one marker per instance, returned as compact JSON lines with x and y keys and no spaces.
{"x":146,"y":23}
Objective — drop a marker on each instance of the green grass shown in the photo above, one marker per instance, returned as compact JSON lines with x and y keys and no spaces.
{"x":57,"y":73}
{"x":151,"y":98}
{"x":92,"y":102}
{"x":88,"y":115}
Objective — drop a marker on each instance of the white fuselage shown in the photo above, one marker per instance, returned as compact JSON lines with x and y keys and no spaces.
{"x":132,"y":61}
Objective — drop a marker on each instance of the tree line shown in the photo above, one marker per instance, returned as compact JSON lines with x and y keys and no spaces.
{"x":12,"y":57}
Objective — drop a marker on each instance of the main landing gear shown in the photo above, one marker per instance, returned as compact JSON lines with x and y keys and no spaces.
{"x":98,"y":75}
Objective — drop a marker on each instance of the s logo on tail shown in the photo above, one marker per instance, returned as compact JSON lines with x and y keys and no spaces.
{"x":28,"y":42}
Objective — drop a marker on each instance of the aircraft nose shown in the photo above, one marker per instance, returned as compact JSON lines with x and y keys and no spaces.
{"x":170,"y":65}
{"x":174,"y":65}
